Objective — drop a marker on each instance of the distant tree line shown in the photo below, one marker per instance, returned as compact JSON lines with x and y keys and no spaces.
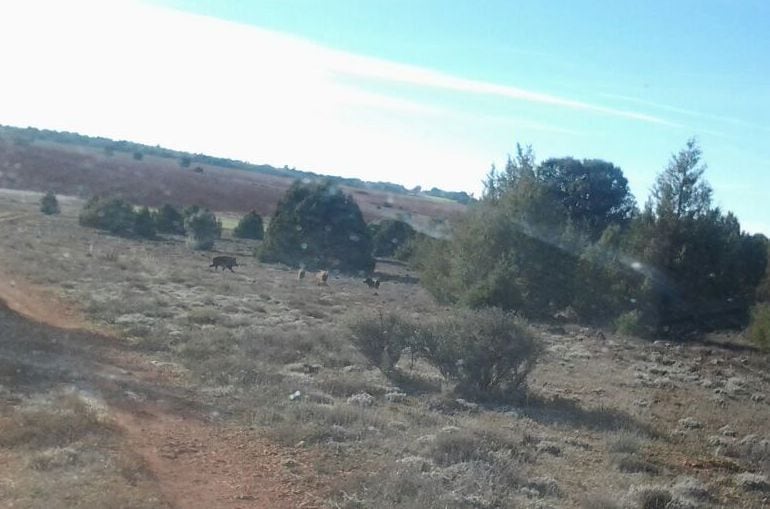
{"x":566,"y":234}
{"x":138,"y":151}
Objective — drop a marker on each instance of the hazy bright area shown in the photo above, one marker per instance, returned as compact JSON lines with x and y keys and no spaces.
{"x":423,"y":94}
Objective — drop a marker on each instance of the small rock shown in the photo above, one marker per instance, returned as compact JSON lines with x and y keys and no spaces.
{"x":295,"y":395}
{"x":690,"y":487}
{"x":362,"y":399}
{"x":450,"y":429}
{"x":690,"y":423}
{"x":549,"y":447}
{"x":422,"y":464}
{"x":717,"y":441}
{"x":399,"y":425}
{"x":545,"y":486}
{"x":467,"y":405}
{"x":727,"y":431}
{"x":757,"y":397}
{"x":752,"y":482}
{"x":395,"y":397}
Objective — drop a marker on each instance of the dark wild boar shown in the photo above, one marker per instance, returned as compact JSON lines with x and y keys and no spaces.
{"x":226,"y":262}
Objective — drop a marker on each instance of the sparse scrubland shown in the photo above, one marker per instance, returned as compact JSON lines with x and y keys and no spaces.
{"x":515,"y":377}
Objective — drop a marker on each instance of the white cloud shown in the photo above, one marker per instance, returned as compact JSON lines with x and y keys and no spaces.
{"x":135,"y":71}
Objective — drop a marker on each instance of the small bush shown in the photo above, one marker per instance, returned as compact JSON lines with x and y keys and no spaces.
{"x":50,"y":427}
{"x":462,"y":446}
{"x":381,"y":337}
{"x":185,"y":162}
{"x":630,"y":324}
{"x":138,"y":156}
{"x":250,"y":226}
{"x":203,"y":229}
{"x":111,"y":214}
{"x":49,"y":205}
{"x":759,"y":328}
{"x":485,"y":351}
{"x":654,"y":498}
{"x":169,"y":220}
{"x":390,"y":235}
{"x":144,"y":224}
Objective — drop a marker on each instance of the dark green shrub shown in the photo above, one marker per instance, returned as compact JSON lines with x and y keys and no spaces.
{"x":390,"y":235}
{"x":250,"y":226}
{"x":630,"y":324}
{"x":759,"y":328}
{"x":49,"y":204}
{"x":484,"y":351}
{"x":185,"y":162}
{"x":169,"y":220}
{"x":138,"y":156}
{"x":203,"y":229}
{"x":111,"y":214}
{"x":318,"y":226}
{"x":144,"y":224}
{"x":381,"y":337}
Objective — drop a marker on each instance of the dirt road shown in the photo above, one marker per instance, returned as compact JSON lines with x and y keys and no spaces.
{"x":197,"y":461}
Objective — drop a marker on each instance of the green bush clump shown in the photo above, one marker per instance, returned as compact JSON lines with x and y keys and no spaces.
{"x":485,"y":351}
{"x":318,"y":226}
{"x":381,"y":337}
{"x":630,"y":324}
{"x":203,"y":229}
{"x":390,"y":235}
{"x":144,"y":224}
{"x":250,"y":227}
{"x":169,"y":220}
{"x":49,"y":205}
{"x":759,"y":328}
{"x":111,"y":214}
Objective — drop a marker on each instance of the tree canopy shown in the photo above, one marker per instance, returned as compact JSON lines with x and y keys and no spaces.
{"x":318,"y":226}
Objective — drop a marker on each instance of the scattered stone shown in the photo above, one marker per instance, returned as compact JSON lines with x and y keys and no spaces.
{"x":426,"y":439}
{"x":549,"y":447}
{"x":399,"y":425}
{"x":362,"y":399}
{"x":727,"y":431}
{"x":690,"y":423}
{"x":295,"y":395}
{"x":718,"y":441}
{"x":418,"y":462}
{"x":757,"y":397}
{"x":395,"y":397}
{"x":353,"y":368}
{"x":752,"y":482}
{"x":545,"y":486}
{"x":467,"y":405}
{"x":450,"y":429}
{"x":692,"y":488}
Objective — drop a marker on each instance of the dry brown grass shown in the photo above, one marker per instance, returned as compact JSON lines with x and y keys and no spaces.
{"x":598,"y":416}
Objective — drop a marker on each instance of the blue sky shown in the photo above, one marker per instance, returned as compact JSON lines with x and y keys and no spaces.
{"x":416,"y":92}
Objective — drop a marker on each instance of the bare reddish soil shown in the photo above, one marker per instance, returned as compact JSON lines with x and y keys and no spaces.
{"x":196,"y":461}
{"x":153,"y":181}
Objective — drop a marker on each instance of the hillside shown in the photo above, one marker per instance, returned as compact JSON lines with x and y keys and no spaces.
{"x":67,"y":163}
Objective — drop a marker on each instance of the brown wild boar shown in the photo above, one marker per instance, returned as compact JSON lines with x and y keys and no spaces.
{"x":226,"y":262}
{"x":321,"y":277}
